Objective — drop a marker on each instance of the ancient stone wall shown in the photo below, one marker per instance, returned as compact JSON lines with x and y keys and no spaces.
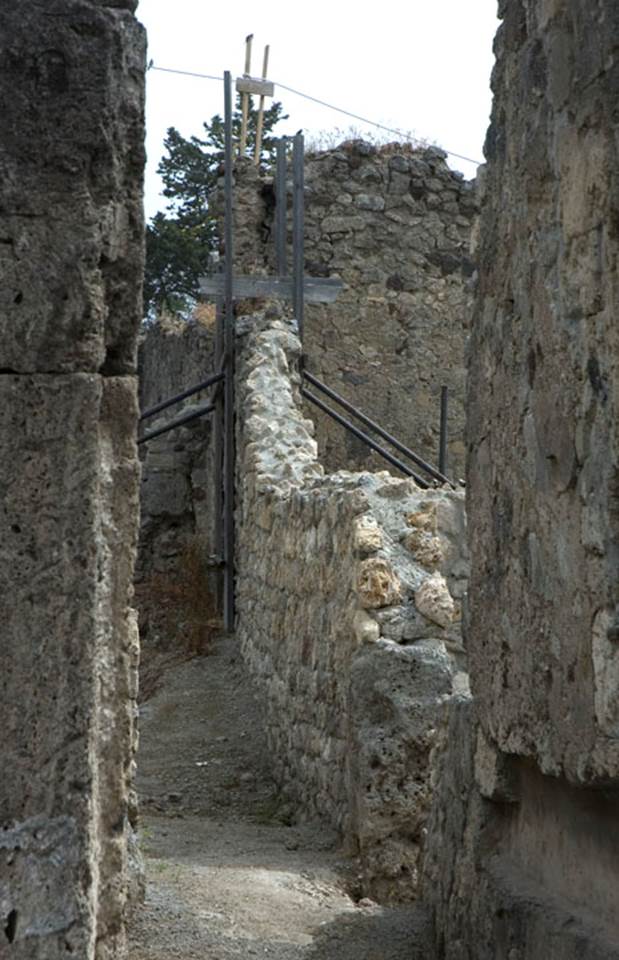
{"x":177,"y":489}
{"x":394,"y":224}
{"x":533,"y":844}
{"x":349,"y":594}
{"x":71,"y":236}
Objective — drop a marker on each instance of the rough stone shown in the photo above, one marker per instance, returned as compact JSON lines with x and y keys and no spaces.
{"x":177,"y":493}
{"x":316,"y":617}
{"x":368,"y":535}
{"x":544,"y":395}
{"x":522,"y":853}
{"x":378,"y":585}
{"x":435,"y":602}
{"x":69,"y":496}
{"x":398,"y":239}
{"x":71,"y":221}
{"x":71,"y":258}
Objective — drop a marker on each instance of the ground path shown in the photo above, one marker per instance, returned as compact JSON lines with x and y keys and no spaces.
{"x":230,"y":874}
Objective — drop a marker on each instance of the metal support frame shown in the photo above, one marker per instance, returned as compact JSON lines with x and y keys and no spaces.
{"x":300,"y":288}
{"x":298,"y":228}
{"x":442,"y":446}
{"x":280,"y":209}
{"x":366,"y":439}
{"x":229,"y":345}
{"x":186,"y":418}
{"x":215,"y":378}
{"x":218,"y":454}
{"x":376,"y":428}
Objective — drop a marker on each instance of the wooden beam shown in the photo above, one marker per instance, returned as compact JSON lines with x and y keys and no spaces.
{"x":258,"y":88}
{"x":245,"y":97}
{"x":265,"y":68}
{"x":315,"y":289}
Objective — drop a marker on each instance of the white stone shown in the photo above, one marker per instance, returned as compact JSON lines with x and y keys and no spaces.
{"x":435,"y":602}
{"x":366,"y":628}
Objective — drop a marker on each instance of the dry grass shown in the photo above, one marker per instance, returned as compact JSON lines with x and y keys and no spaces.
{"x":204,"y":314}
{"x":343,"y":138}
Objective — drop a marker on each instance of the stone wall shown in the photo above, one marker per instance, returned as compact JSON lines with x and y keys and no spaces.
{"x":349,"y":595}
{"x":71,"y":235}
{"x":535,"y":849}
{"x":177,"y":489}
{"x":394,"y":224}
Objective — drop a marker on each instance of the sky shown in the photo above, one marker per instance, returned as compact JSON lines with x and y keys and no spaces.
{"x":421,"y":66}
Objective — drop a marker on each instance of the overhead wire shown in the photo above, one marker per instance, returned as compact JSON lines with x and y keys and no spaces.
{"x":323,"y":103}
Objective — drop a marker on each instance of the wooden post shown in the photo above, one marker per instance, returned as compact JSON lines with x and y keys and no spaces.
{"x":245,"y":97}
{"x":265,"y":67}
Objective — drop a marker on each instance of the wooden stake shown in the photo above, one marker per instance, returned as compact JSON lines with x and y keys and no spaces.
{"x":265,"y":67}
{"x":245,"y":97}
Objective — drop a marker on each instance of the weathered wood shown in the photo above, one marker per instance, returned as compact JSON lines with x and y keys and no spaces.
{"x":245,"y":97}
{"x":315,"y":289}
{"x":255,"y":86}
{"x":265,"y":68}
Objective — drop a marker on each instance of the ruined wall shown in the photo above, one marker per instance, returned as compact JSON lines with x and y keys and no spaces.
{"x":71,"y":234}
{"x":349,"y":594}
{"x":539,"y":857}
{"x":176,"y":491}
{"x":394,"y":224}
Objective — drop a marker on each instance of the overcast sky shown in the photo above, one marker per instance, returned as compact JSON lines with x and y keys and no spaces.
{"x":422,"y":66}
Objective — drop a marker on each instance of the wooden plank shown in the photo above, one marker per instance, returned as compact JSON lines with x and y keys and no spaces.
{"x":265,"y":68}
{"x":315,"y":289}
{"x":255,"y":87}
{"x":245,"y":97}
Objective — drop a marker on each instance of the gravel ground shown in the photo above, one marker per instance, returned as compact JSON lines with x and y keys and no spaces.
{"x":230,"y":874}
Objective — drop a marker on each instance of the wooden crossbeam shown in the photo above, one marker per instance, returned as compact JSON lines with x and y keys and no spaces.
{"x":315,"y":289}
{"x":255,"y":86}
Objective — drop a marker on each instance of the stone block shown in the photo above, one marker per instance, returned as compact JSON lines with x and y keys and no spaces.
{"x":378,"y":584}
{"x":544,"y":449}
{"x":68,"y":519}
{"x":434,"y":601}
{"x":71,"y":154}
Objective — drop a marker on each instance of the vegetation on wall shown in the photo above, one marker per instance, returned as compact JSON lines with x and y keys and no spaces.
{"x":180,"y":241}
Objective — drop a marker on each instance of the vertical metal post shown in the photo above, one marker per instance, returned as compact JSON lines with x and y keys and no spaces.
{"x":442,"y":449}
{"x":229,"y":465}
{"x":298,"y":226}
{"x":280,"y":209}
{"x":218,"y":452}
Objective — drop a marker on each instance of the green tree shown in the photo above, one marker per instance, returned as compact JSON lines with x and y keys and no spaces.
{"x":179,"y":241}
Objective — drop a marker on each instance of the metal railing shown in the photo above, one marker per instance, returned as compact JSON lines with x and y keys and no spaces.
{"x":436,"y":475}
{"x":184,"y":418}
{"x":289,"y":283}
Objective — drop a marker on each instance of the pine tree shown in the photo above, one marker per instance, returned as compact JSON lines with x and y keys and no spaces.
{"x":179,"y":241}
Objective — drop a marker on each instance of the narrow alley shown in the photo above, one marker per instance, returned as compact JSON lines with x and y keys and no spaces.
{"x":230,"y":873}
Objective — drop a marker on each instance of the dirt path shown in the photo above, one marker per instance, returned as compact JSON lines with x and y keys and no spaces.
{"x":229,"y":874}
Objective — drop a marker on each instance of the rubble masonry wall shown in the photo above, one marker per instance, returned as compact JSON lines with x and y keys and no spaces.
{"x":349,"y":600}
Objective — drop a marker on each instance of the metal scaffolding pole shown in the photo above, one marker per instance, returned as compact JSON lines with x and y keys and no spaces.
{"x":229,"y":456}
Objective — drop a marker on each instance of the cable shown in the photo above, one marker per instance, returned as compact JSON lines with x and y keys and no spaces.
{"x":372,"y":123}
{"x":184,"y":73}
{"x":323,"y":103}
